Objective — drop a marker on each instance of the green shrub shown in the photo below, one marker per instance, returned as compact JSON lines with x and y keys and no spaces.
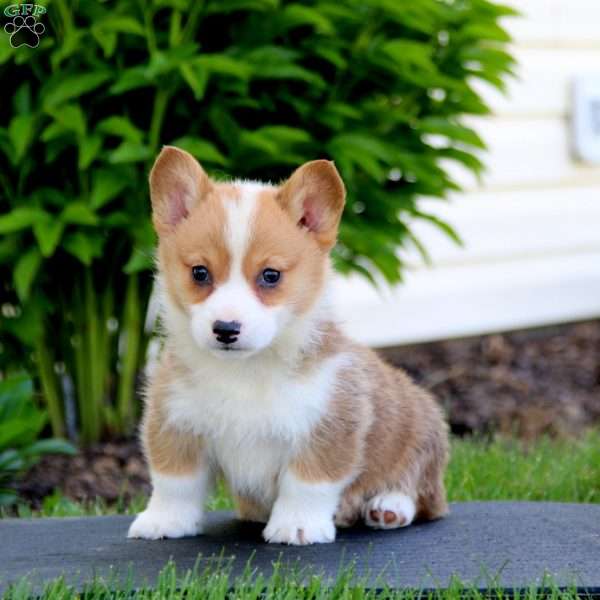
{"x":252,"y":88}
{"x":20,"y":426}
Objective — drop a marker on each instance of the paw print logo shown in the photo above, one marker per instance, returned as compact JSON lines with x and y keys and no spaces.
{"x":24,"y":31}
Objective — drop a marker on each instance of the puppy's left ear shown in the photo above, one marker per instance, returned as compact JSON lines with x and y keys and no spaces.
{"x":314,"y":198}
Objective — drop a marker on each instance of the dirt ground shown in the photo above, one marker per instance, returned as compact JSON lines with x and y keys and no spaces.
{"x":525,"y":383}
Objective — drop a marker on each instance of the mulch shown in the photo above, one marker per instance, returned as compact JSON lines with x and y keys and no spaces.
{"x":109,"y":471}
{"x":524,"y":383}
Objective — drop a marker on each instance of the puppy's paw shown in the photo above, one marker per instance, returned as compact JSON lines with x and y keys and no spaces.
{"x":389,"y":511}
{"x":299,"y":530}
{"x":175,"y":523}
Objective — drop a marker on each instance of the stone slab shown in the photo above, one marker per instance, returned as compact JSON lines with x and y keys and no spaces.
{"x":513,"y":544}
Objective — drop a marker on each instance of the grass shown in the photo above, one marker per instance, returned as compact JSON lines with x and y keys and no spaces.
{"x":547,"y":470}
{"x":216,"y":583}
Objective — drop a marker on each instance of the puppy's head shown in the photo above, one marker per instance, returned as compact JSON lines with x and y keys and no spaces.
{"x":242,"y":260}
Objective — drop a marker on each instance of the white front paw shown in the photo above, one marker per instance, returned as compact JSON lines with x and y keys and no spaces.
{"x":153,"y":524}
{"x":299,"y":529}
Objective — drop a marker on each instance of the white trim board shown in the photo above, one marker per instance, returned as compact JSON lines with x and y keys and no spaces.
{"x":459,"y":301}
{"x":543,"y":84}
{"x":556,"y":23}
{"x":497,"y":226}
{"x":525,"y":153}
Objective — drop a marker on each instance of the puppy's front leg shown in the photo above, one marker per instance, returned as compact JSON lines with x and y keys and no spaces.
{"x":180,"y":478}
{"x":303,"y":512}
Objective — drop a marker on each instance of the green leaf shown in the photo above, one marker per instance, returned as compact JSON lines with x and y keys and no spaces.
{"x":79,"y":213}
{"x":84,"y":247}
{"x":441,"y":225}
{"x":454,"y":131}
{"x":10,"y":460}
{"x":107,"y":184}
{"x":20,"y":218}
{"x":296,"y":15}
{"x":20,"y":432}
{"x":48,"y":233}
{"x":409,"y":52}
{"x":25,"y":271}
{"x":71,"y":118}
{"x":49,"y":446}
{"x":8,"y":249}
{"x":120,"y":24}
{"x":22,"y":99}
{"x":89,"y":148}
{"x":282,"y":134}
{"x":196,"y":76}
{"x":140,"y":260}
{"x":201,"y":149}
{"x":484,"y":31}
{"x":129,"y":152}
{"x":29,"y":326}
{"x":167,"y":61}
{"x":20,"y":132}
{"x":107,"y":40}
{"x":120,"y":127}
{"x":130,"y":79}
{"x":222,"y":64}
{"x":229,"y":6}
{"x":73,"y":86}
{"x":6,"y":50}
{"x":53,"y":131}
{"x":15,"y":390}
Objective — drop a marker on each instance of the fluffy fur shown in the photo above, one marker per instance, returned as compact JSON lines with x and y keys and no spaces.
{"x":309,"y":429}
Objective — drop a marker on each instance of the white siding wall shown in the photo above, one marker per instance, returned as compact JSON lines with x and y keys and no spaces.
{"x":531,"y":228}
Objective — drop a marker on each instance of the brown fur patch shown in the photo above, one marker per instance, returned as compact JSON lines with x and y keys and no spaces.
{"x":198,"y":240}
{"x":384,"y":429}
{"x":277,"y":243}
{"x":168,"y":451}
{"x":250,"y":510}
{"x":406,"y":448}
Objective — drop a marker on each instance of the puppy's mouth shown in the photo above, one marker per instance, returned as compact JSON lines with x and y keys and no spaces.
{"x":230,"y":351}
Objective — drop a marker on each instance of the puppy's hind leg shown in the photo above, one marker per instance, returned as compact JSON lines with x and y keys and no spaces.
{"x":431,"y":503}
{"x":389,"y":510}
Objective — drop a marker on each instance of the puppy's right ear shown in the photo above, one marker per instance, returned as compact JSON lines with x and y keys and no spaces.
{"x":177,"y":184}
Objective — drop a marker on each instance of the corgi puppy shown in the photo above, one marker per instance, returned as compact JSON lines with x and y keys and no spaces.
{"x":256,"y":382}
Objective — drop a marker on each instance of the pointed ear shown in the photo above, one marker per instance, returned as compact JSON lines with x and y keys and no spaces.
{"x":314,"y":198}
{"x":177,"y":184}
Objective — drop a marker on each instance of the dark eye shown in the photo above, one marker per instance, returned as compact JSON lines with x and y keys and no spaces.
{"x":201,"y":274}
{"x":269,"y":278}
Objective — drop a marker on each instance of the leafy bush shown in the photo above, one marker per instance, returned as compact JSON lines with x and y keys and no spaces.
{"x":252,"y":88}
{"x":20,"y":426}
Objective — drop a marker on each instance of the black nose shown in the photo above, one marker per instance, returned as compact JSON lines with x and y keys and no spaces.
{"x":227,"y":331}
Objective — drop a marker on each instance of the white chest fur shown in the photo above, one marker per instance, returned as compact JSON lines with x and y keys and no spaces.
{"x":254,"y":415}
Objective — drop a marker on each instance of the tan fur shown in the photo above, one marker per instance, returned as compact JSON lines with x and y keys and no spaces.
{"x":277,"y":243}
{"x":381,"y":429}
{"x":249,"y":509}
{"x":314,"y":197}
{"x":380,"y":432}
{"x":405,"y":448}
{"x":167,"y":450}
